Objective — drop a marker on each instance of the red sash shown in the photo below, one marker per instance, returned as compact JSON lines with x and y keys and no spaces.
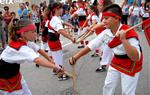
{"x":125,"y":65}
{"x":11,"y":84}
{"x":55,"y":45}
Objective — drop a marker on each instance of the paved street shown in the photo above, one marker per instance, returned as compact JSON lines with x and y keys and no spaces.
{"x":42,"y":82}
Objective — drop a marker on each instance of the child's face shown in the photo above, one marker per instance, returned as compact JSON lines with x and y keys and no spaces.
{"x":100,"y":7}
{"x":109,"y":21}
{"x":13,"y":15}
{"x":60,"y":11}
{"x":66,"y":11}
{"x":30,"y":35}
{"x":89,"y":10}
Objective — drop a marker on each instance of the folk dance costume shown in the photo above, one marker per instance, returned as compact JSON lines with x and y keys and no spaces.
{"x":121,"y":65}
{"x":54,"y":43}
{"x":11,"y":80}
{"x":53,"y":39}
{"x":81,"y":13}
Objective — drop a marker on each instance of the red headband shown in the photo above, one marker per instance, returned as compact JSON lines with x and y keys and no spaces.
{"x":27,"y":28}
{"x":111,"y":14}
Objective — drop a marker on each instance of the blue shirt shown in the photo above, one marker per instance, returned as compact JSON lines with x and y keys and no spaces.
{"x":65,"y":17}
{"x":25,"y":14}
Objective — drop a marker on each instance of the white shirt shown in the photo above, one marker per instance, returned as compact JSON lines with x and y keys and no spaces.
{"x":125,"y":9}
{"x":94,"y":17}
{"x":56,"y":23}
{"x":80,"y":12}
{"x":106,"y":36}
{"x":135,"y":11}
{"x":143,"y":13}
{"x":24,"y":54}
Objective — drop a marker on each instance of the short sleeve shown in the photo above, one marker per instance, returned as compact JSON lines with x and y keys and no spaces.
{"x":56,"y":23}
{"x":34,"y":46}
{"x":80,"y":12}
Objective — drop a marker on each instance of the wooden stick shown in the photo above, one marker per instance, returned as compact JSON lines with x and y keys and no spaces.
{"x":67,"y":73}
{"x":138,"y":25}
{"x":84,"y":36}
{"x":134,"y":26}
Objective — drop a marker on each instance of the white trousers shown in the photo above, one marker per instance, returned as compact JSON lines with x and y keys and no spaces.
{"x":57,"y":57}
{"x":106,"y":56}
{"x":128,"y":83}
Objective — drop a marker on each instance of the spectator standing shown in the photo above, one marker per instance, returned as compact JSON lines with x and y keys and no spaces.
{"x":7,"y":18}
{"x":125,"y":10}
{"x":35,"y":18}
{"x":134,"y":12}
{"x":23,"y":12}
{"x":2,"y":31}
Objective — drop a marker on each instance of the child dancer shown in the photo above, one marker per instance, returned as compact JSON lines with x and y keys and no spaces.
{"x":127,"y":60}
{"x":20,"y":49}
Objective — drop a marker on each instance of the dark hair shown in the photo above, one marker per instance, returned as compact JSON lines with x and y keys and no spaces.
{"x":32,"y":5}
{"x":0,"y":12}
{"x":51,"y":8}
{"x":114,"y":8}
{"x":44,"y":8}
{"x":107,"y":2}
{"x":6,"y":7}
{"x":13,"y":13}
{"x":17,"y":25}
{"x":27,"y":3}
{"x":92,"y":7}
{"x":147,"y":7}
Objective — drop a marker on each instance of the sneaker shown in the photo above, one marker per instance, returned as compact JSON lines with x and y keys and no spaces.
{"x":37,"y":65}
{"x":81,"y":46}
{"x":95,"y":55}
{"x":101,"y":69}
{"x":63,"y":77}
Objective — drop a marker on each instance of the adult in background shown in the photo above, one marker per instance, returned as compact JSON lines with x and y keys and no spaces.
{"x":7,"y":18}
{"x":23,"y":12}
{"x":125,"y":12}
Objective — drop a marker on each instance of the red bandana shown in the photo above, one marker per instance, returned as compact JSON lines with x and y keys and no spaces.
{"x":27,"y":28}
{"x":111,"y":14}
